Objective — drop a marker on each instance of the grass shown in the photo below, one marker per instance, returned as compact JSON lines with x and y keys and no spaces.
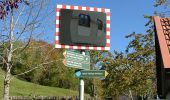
{"x":22,"y":88}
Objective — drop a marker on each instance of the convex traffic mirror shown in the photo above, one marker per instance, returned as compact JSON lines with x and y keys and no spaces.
{"x":85,"y":28}
{"x":82,"y":28}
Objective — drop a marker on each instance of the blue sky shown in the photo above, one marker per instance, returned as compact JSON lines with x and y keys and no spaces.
{"x":126,"y":17}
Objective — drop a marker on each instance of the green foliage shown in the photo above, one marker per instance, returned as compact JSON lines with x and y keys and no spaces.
{"x":133,"y":70}
{"x":42,"y":64}
{"x":22,"y":88}
{"x":114,"y":84}
{"x":160,"y":2}
{"x":94,"y":86}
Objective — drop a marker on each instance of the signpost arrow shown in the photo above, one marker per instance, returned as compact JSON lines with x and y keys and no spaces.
{"x":64,"y":54}
{"x":91,"y":73}
{"x":65,"y":62}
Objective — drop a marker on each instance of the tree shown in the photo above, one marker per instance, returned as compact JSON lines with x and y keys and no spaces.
{"x":160,"y":2}
{"x":133,"y":72}
{"x":17,"y":24}
{"x":98,"y":60}
{"x":142,"y":58}
{"x":114,"y":83}
{"x":42,"y":64}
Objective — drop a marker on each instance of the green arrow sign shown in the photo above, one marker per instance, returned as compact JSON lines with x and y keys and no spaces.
{"x":91,"y":73}
{"x":77,"y":60}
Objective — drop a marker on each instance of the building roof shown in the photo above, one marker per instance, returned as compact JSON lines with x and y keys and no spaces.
{"x":162,"y":28}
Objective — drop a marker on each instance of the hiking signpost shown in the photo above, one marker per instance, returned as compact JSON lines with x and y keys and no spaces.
{"x":76,"y":60}
{"x":82,"y":28}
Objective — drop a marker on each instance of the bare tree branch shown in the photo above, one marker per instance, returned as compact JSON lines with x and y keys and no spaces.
{"x":25,"y":25}
{"x":4,"y":60}
{"x":32,"y":23}
{"x":19,"y":16}
{"x":49,"y":53}
{"x":38,"y":66}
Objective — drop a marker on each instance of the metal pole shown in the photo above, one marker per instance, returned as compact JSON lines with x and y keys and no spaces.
{"x":81,"y":91}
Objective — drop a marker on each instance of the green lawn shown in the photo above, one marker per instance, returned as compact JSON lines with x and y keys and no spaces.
{"x":22,"y":88}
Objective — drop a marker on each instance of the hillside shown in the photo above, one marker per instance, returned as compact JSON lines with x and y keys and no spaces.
{"x":22,"y":88}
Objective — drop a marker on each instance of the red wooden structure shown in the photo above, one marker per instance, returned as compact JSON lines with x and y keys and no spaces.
{"x":162,"y":45}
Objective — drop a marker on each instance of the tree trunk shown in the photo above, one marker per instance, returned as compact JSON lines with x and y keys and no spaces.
{"x":131,"y":96}
{"x":6,"y":83}
{"x":115,"y":97}
{"x":9,"y":59}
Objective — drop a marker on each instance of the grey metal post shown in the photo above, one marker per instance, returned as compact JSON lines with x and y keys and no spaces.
{"x":81,"y":91}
